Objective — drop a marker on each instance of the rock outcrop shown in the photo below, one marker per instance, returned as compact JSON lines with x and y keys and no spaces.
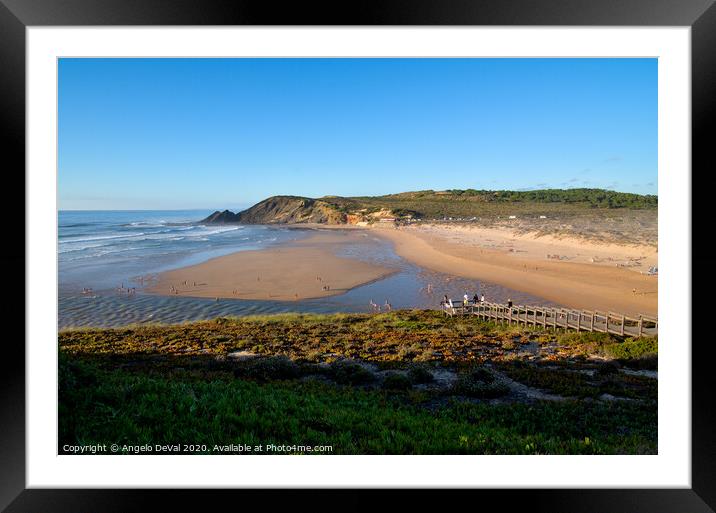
{"x":282,"y":210}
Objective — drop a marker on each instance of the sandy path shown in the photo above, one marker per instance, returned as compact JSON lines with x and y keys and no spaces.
{"x":289,"y":272}
{"x":578,"y":284}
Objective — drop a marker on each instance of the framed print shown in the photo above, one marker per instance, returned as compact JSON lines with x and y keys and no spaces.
{"x":298,"y":249}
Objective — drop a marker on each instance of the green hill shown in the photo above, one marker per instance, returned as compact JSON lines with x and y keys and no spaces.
{"x":435,"y":205}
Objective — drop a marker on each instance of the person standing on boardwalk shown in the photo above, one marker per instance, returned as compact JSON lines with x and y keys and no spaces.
{"x":509,"y":303}
{"x":482,"y":298}
{"x":475,"y":299}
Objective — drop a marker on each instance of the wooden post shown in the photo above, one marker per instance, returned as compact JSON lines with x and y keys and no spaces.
{"x":622,"y":327}
{"x":591,"y":323}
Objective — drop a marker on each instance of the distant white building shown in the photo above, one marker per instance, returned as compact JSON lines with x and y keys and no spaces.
{"x":513,"y":217}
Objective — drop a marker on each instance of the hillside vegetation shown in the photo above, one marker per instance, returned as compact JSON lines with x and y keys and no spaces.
{"x":435,"y":205}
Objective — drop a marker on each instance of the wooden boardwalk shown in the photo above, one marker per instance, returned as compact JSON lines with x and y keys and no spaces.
{"x":568,"y":319}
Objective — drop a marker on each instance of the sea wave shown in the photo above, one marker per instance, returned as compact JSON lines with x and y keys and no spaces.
{"x":100,"y":237}
{"x":193,"y":232}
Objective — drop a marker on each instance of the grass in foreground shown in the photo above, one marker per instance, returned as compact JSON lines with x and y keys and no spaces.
{"x":116,"y":406}
{"x":406,"y":382}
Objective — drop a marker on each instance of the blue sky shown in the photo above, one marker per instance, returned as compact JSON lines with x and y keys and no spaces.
{"x":226,"y":133}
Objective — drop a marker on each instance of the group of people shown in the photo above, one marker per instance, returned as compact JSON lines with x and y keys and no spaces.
{"x":129,"y":290}
{"x":325,"y":287}
{"x":465,"y":300}
{"x":376,"y":307}
{"x":476,"y":300}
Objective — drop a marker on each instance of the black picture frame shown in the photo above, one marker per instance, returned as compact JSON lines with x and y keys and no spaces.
{"x":17,"y":15}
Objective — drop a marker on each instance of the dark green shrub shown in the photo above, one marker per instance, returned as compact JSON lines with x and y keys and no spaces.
{"x":482,"y":375}
{"x":266,"y":369}
{"x":349,"y":373}
{"x":607,"y":369}
{"x":396,"y":381}
{"x":481,"y":383}
{"x":420,"y":375}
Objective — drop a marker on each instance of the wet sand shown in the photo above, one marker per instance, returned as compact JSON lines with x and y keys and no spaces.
{"x":588,"y":277}
{"x":585,"y":274}
{"x":303,"y":269}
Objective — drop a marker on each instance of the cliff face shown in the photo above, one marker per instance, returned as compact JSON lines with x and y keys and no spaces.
{"x":282,"y":210}
{"x":221,"y":218}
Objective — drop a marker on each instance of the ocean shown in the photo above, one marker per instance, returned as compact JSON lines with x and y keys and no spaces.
{"x":106,"y":250}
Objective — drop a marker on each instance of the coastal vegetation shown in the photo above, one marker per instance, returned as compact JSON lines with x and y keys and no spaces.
{"x":432,"y":205}
{"x":403,"y":382}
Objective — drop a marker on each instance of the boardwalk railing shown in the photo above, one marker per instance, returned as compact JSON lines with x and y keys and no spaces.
{"x":579,"y":320}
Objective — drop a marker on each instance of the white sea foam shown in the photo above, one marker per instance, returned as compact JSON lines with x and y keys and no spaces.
{"x":100,"y":237}
{"x":216,"y":231}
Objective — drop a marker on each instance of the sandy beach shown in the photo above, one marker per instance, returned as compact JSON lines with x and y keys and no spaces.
{"x":303,"y":269}
{"x":577,"y":273}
